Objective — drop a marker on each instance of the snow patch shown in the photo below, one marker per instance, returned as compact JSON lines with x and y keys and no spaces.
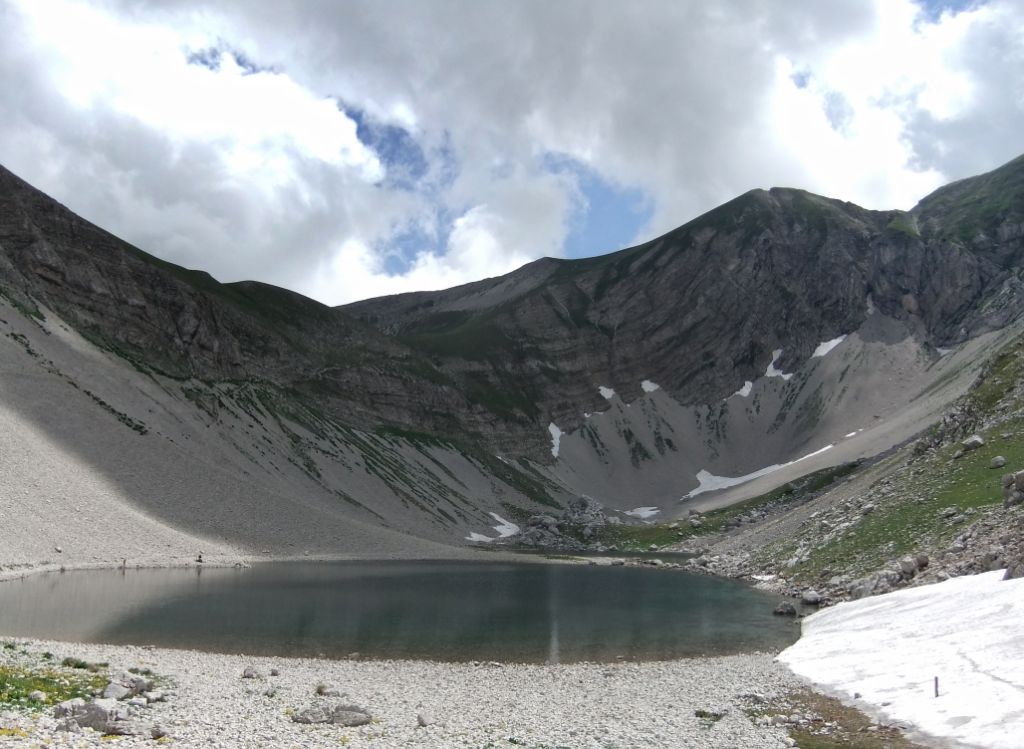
{"x":643,"y":512}
{"x":606,"y":393}
{"x":708,"y":482}
{"x":824,"y":348}
{"x":966,"y":631}
{"x":744,"y":391}
{"x":871,"y":305}
{"x":649,"y":387}
{"x":772,"y":371}
{"x":852,"y":434}
{"x":943,"y":351}
{"x":504,"y":529}
{"x":556,"y":438}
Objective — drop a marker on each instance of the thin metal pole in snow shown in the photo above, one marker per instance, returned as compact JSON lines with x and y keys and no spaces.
{"x":936,"y":686}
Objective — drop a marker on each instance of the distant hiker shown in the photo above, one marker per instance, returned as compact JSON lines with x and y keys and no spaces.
{"x":199,"y":559}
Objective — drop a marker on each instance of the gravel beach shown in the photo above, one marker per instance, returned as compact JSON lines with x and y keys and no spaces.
{"x":478,"y":705}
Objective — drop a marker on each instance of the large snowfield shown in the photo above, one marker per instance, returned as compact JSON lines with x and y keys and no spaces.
{"x":967,"y":631}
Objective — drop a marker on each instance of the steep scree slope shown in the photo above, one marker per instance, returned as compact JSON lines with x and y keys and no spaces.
{"x":639,"y":377}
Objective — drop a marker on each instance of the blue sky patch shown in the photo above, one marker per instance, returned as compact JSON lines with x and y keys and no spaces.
{"x":403,"y":247}
{"x":210,"y":58}
{"x":401,"y":155}
{"x":933,"y":9}
{"x":611,"y":217}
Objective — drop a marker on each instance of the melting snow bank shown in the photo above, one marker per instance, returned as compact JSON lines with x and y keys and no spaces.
{"x":889,"y":648}
{"x":504,"y":529}
{"x":649,"y":387}
{"x":643,"y":512}
{"x":824,"y":348}
{"x":708,"y":482}
{"x":744,"y":391}
{"x":606,"y":392}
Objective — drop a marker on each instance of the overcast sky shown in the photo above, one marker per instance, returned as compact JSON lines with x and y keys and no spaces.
{"x":350,"y":149}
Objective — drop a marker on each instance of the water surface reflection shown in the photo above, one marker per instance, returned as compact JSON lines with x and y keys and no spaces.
{"x":400,"y":609}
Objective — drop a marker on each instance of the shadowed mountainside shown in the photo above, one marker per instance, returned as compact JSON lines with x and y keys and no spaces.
{"x":779,"y":325}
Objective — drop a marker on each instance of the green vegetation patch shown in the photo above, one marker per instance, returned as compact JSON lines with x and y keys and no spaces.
{"x":18,"y":681}
{"x":28,"y":308}
{"x":80,"y":664}
{"x":833,"y":725}
{"x":903,"y":223}
{"x":912,"y":516}
{"x":641,"y":537}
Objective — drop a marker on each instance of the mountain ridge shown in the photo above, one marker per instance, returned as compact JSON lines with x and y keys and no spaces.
{"x":625,"y":376}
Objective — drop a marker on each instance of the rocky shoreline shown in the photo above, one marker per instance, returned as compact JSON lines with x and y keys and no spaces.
{"x":239,"y":701}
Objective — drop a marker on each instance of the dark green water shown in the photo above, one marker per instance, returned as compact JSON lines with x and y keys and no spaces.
{"x":453,"y":611}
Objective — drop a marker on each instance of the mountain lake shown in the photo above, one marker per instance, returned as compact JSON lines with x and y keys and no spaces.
{"x":430,"y":610}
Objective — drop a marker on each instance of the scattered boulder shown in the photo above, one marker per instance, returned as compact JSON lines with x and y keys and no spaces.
{"x":997,"y":462}
{"x":785,"y":609}
{"x":136,"y":683}
{"x":68,"y":707}
{"x":68,"y":725}
{"x":116,"y":691}
{"x":424,"y":719}
{"x":874,"y":584}
{"x":1018,"y":481}
{"x":128,"y":728}
{"x":584,"y":511}
{"x":103,"y":715}
{"x":811,"y":597}
{"x":583,"y":515}
{"x":1013,"y":489}
{"x":250,"y":673}
{"x":274,"y":672}
{"x":338,"y":715}
{"x":908,"y":566}
{"x":37,"y":696}
{"x":973,"y":442}
{"x":327,"y":690}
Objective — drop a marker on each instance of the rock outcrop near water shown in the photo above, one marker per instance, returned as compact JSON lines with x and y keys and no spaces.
{"x":777,"y":333}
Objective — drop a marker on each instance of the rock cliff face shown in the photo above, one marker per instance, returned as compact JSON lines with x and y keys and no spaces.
{"x":703,"y":308}
{"x":777,"y":327}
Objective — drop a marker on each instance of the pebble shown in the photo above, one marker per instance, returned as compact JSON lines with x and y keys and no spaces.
{"x":431,"y":705}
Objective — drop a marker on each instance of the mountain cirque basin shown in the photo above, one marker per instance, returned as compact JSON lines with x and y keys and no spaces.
{"x":449,"y":611}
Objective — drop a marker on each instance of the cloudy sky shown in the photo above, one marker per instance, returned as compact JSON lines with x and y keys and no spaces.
{"x":348,"y":149}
